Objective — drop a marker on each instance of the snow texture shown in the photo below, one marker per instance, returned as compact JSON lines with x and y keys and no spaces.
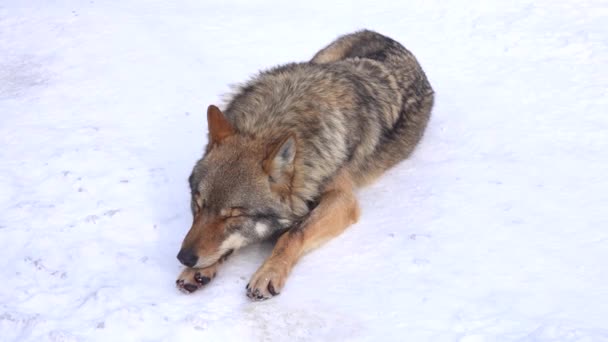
{"x":495,"y":230}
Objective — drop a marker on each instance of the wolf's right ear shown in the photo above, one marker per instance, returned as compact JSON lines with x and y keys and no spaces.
{"x":279,"y":162}
{"x":219,"y":126}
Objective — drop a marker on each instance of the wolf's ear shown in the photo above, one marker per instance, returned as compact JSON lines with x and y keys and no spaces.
{"x":279,"y":162}
{"x":219,"y":126}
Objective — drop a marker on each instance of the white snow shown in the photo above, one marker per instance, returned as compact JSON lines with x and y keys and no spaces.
{"x":495,"y":230}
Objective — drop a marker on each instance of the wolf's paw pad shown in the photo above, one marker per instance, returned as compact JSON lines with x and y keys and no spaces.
{"x":193,"y":279}
{"x":266,"y":283}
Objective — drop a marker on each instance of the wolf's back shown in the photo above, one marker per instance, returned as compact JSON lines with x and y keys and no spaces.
{"x":360,"y":105}
{"x":368,"y":44}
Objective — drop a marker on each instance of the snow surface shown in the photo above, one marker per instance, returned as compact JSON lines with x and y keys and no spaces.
{"x":495,"y":230}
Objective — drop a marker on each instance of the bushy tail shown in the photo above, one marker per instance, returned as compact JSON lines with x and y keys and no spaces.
{"x":363,"y":44}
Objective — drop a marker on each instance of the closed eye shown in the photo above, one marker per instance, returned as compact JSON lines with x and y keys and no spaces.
{"x":234,"y":212}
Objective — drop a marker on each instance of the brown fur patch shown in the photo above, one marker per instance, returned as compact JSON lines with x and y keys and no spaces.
{"x":205,"y":237}
{"x":337,"y":210}
{"x":219,"y":127}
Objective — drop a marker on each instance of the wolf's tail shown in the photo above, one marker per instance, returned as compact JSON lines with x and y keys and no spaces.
{"x":363,"y":44}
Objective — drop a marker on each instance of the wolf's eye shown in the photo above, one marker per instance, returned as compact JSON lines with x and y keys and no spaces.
{"x":233,"y":212}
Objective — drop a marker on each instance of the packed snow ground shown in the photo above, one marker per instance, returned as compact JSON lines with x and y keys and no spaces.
{"x":495,"y":230}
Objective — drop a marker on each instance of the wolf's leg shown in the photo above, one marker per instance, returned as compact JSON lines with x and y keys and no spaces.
{"x":337,"y":209}
{"x":192,"y":279}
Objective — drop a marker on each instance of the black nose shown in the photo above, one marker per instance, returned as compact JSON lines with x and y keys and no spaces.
{"x":187,"y":257}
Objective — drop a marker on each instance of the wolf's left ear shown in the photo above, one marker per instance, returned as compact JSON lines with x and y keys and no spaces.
{"x":279,"y":162}
{"x":219,"y":126}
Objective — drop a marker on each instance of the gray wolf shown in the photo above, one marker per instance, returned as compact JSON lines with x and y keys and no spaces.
{"x":289,"y":148}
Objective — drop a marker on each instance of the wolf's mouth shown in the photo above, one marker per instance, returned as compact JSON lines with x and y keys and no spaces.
{"x":226,"y":255}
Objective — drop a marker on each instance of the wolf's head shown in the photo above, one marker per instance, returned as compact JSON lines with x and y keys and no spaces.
{"x":240,"y":192}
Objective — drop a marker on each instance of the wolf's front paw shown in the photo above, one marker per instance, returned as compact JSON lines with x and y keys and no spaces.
{"x":193,"y":279}
{"x":267,"y":282}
